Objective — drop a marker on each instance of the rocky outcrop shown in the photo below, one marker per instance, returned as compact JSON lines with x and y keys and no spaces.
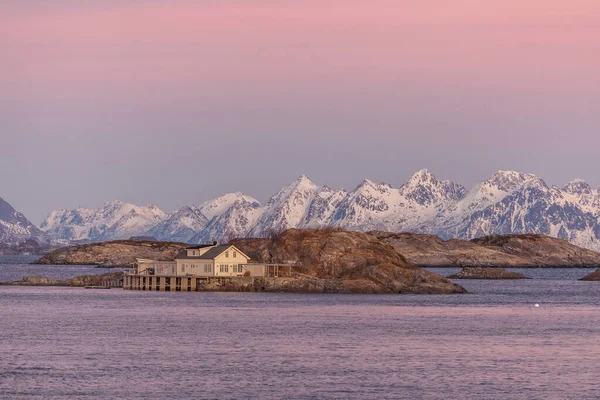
{"x":507,"y":251}
{"x":118,"y":253}
{"x":594,"y":276}
{"x":486,"y":273}
{"x":342,"y":262}
{"x":541,"y":250}
{"x":78,"y":281}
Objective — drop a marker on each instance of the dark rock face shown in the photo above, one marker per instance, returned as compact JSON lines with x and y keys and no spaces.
{"x":487,"y":273}
{"x":343,"y":262}
{"x":118,"y":253}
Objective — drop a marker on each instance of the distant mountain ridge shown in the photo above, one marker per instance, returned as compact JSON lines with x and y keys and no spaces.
{"x":507,"y":203}
{"x":14,"y":227}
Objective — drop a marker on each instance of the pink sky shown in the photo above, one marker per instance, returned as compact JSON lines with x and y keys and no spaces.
{"x":401,"y":73}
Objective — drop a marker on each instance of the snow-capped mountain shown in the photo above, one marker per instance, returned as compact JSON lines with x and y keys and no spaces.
{"x":114,"y":220}
{"x":181,"y":226}
{"x":287,"y":209}
{"x":507,"y":202}
{"x":193,"y":223}
{"x":14,"y":227}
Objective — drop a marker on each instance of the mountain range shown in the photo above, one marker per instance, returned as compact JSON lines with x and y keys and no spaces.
{"x":508,"y":202}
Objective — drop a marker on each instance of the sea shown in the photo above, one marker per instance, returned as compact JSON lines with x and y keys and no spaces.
{"x":492,"y":343}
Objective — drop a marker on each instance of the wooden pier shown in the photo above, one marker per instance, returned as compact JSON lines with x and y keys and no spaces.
{"x":144,"y":280}
{"x":179,"y":283}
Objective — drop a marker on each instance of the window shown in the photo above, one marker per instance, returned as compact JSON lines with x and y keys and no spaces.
{"x":234,"y":254}
{"x":207,"y":268}
{"x":237,"y":268}
{"x":182,"y":267}
{"x":194,"y":252}
{"x":224,"y":268}
{"x":226,"y":254}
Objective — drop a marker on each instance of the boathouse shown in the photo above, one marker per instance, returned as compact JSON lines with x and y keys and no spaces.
{"x":213,"y":260}
{"x":200,"y":265}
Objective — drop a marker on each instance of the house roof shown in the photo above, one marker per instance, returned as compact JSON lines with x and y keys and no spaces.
{"x":210,"y":254}
{"x":199,"y":246}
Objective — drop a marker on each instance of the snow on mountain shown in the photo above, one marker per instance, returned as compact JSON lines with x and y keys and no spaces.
{"x":181,"y":226}
{"x":235,"y":222}
{"x":287,"y":209}
{"x":507,"y":202}
{"x":14,"y":227}
{"x":114,"y":220}
{"x":220,"y":205}
{"x":321,"y":209}
{"x":186,"y":223}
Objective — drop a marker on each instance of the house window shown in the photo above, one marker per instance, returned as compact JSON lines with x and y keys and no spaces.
{"x":182,"y":267}
{"x":224,"y":268}
{"x":234,"y":254}
{"x":237,"y":268}
{"x":207,"y":268}
{"x":226,"y":254}
{"x":194,"y":252}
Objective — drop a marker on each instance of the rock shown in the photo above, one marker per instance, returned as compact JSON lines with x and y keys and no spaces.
{"x":486,"y":273}
{"x":509,"y":251}
{"x":39,"y":281}
{"x":95,"y":280}
{"x":336,"y":261}
{"x":78,"y":281}
{"x":118,"y":253}
{"x":594,"y":276}
{"x":541,"y":250}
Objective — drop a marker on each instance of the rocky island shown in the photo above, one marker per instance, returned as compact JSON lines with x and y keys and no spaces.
{"x":337,"y":261}
{"x":486,"y":273}
{"x":506,"y":251}
{"x":116,"y":253}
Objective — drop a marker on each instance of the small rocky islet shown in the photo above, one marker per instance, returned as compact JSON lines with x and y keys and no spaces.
{"x":594,"y":276}
{"x":486,"y":273}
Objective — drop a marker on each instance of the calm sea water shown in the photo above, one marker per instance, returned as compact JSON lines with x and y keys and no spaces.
{"x":14,"y":268}
{"x":488,"y":344}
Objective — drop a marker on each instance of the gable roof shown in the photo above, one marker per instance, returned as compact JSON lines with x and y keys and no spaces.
{"x":210,"y":254}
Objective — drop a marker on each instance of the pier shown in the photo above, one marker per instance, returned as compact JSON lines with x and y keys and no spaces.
{"x":175,"y":283}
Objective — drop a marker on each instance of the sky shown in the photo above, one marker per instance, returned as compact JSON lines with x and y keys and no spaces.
{"x":177,"y":102}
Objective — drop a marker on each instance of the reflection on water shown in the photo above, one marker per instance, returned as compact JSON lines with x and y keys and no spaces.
{"x":489,"y":344}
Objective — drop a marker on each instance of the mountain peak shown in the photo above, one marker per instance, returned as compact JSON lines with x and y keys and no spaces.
{"x":303,"y":181}
{"x":577,"y":186}
{"x":508,"y":181}
{"x":422,"y":176}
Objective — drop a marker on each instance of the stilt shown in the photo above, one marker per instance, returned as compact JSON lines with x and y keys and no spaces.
{"x":162,"y":283}
{"x":173,"y":281}
{"x":184,"y":284}
{"x":193,"y":283}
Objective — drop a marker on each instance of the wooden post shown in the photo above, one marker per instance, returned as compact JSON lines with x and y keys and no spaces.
{"x":162,"y":283}
{"x":153,"y":284}
{"x":194,"y":282}
{"x":173,"y":283}
{"x":184,"y":284}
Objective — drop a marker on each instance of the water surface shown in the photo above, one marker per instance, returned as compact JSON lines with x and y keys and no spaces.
{"x":488,"y":344}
